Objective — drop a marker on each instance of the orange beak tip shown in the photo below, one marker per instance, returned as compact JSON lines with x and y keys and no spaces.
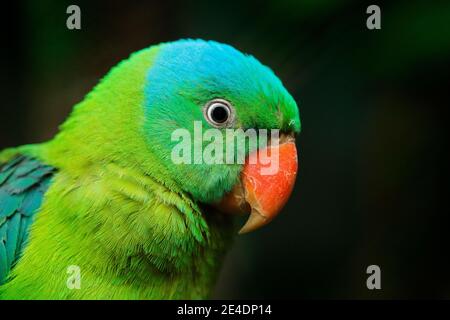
{"x":263,"y":195}
{"x":267,"y":194}
{"x":255,"y":221}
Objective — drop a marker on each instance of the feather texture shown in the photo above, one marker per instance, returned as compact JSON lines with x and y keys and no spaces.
{"x":137,"y":225}
{"x":23,"y":183}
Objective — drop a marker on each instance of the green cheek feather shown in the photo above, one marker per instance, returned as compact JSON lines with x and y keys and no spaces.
{"x":112,"y":202}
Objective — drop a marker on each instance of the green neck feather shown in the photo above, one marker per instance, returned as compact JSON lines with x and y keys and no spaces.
{"x":113,"y":210}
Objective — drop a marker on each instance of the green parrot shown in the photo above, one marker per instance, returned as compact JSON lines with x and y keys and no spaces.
{"x":102,"y":211}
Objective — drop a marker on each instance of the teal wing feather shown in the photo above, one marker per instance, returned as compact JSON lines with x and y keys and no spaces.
{"x":23,"y":184}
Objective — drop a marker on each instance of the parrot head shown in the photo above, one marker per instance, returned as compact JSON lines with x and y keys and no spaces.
{"x":209,"y":89}
{"x":181,"y":100}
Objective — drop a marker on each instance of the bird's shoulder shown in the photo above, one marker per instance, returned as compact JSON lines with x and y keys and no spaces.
{"x":23,"y":183}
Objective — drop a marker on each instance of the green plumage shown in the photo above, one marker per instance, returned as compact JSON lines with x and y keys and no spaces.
{"x":137,"y":225}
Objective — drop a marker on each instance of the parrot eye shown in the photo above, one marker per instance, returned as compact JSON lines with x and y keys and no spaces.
{"x":219,"y":113}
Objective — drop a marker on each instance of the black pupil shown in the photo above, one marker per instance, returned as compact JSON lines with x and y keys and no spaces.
{"x":219,"y":114}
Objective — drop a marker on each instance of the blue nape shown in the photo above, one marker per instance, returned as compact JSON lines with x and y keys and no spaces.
{"x":198,"y":68}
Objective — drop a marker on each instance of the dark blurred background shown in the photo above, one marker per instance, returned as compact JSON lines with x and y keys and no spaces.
{"x":373,"y":182}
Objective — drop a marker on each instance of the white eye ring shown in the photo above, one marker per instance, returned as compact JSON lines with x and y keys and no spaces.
{"x":219,"y":113}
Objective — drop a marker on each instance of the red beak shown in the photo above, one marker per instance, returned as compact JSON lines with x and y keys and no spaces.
{"x":263,"y":192}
